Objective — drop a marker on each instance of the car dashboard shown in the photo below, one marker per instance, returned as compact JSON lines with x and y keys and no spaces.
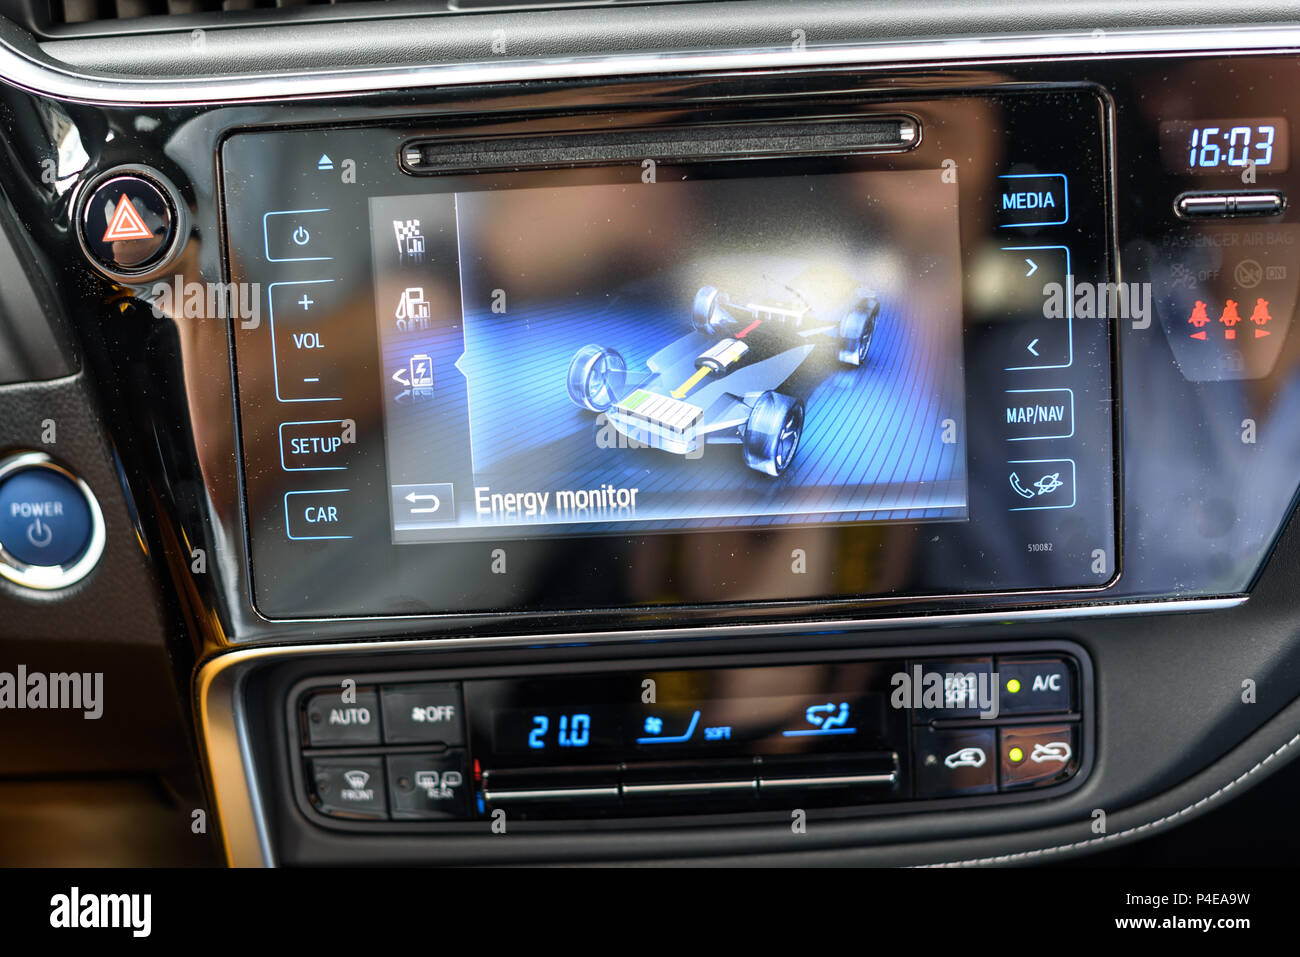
{"x":699,"y":433}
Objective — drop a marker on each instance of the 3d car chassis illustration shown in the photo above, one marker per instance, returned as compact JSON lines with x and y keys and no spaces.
{"x":720,"y":382}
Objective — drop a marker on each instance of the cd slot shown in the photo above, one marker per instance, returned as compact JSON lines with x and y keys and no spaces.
{"x":828,"y":135}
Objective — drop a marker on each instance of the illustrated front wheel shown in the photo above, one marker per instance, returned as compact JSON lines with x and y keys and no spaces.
{"x":772,"y":433}
{"x":597,"y":376}
{"x":855,"y":332}
{"x":705,"y":310}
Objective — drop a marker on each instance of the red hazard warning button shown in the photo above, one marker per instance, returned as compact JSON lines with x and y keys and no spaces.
{"x":127,"y":223}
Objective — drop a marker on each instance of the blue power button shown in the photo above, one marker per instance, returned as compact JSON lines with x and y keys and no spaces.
{"x":45,"y":519}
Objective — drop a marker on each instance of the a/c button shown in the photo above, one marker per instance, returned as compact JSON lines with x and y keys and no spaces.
{"x":319,"y":514}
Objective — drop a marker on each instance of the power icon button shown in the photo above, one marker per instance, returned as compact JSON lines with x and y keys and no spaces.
{"x":51,"y":527}
{"x":40,"y":534}
{"x":301,"y":237}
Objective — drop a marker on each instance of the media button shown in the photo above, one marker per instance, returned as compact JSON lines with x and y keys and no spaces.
{"x":307,"y":350}
{"x":297,"y":235}
{"x":1037,"y":484}
{"x":319,"y":514}
{"x":1032,"y":199}
{"x":315,"y":446}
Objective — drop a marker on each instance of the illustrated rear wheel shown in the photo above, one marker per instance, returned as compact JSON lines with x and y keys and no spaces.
{"x":856,"y":330}
{"x":597,"y":376}
{"x":772,"y":433}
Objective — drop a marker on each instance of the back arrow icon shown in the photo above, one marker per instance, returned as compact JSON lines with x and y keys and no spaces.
{"x":1031,"y":347}
{"x":1033,"y":267}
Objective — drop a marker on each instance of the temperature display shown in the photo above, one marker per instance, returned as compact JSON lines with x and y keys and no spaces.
{"x":1226,"y":146}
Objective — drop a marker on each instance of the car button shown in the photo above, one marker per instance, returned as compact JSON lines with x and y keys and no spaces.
{"x":350,"y":787}
{"x":423,"y":714}
{"x":1033,"y":685}
{"x":1038,"y":756}
{"x":429,"y":786}
{"x":333,"y":722}
{"x":127,"y":223}
{"x":954,"y":761}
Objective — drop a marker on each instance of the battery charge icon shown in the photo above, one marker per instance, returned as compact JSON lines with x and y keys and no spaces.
{"x":421,"y":373}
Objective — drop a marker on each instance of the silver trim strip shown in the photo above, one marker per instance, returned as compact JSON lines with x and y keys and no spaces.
{"x":237,"y":793}
{"x":545,"y":794}
{"x":688,"y":787}
{"x":813,"y":781}
{"x":49,"y":78}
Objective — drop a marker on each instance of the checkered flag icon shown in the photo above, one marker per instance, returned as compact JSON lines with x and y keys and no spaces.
{"x":405,"y":229}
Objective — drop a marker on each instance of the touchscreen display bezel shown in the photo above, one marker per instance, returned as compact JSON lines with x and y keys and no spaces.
{"x":977,"y":138}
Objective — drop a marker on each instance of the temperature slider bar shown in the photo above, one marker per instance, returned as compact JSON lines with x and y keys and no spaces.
{"x":733,"y":780}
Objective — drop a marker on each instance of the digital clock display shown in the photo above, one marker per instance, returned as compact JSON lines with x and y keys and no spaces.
{"x":1226,"y":146}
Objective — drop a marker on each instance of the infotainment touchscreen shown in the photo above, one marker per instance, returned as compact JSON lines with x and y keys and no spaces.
{"x":592,"y":357}
{"x":618,"y":361}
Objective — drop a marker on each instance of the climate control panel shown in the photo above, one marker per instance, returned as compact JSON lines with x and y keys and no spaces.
{"x":609,"y":741}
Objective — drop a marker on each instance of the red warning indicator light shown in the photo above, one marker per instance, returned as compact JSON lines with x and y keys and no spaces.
{"x":1260,"y":317}
{"x":1199,"y":319}
{"x":1230,"y":318}
{"x":126,"y":223}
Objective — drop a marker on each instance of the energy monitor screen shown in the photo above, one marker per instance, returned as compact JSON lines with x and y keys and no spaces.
{"x":590,"y":357}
